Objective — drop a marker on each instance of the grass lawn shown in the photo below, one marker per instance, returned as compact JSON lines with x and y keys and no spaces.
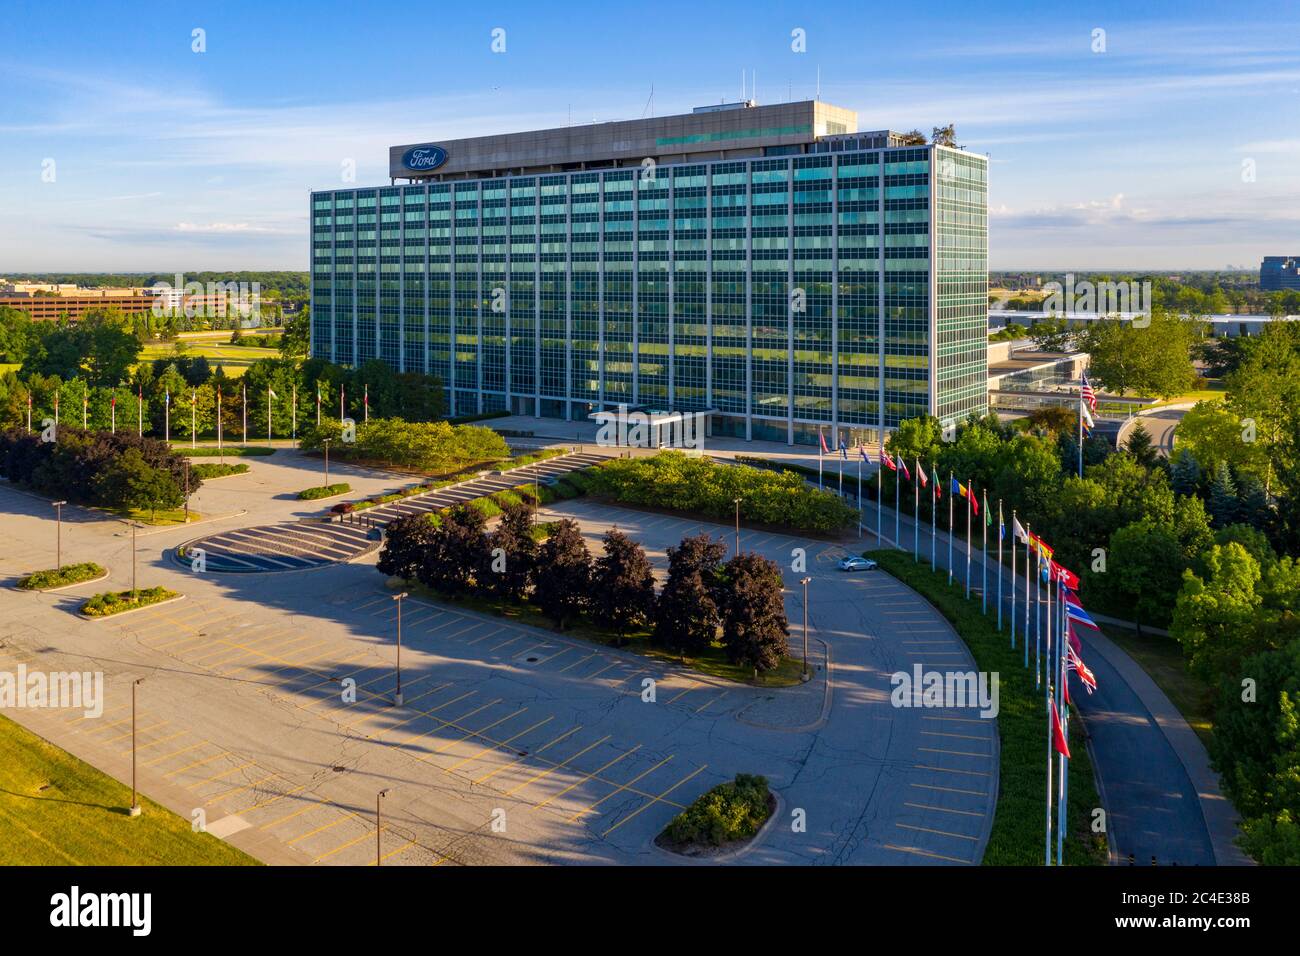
{"x":163,"y":517}
{"x":714,"y":663}
{"x":56,"y":810}
{"x":233,"y":359}
{"x":1017,"y":835}
{"x":1216,"y":391}
{"x":1162,"y":658}
{"x":229,"y":451}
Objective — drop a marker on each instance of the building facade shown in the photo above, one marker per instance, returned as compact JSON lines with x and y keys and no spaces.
{"x":1277,"y":273}
{"x":770,"y":266}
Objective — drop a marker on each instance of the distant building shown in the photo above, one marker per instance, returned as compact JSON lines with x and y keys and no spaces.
{"x":1279,"y":272}
{"x":48,"y":307}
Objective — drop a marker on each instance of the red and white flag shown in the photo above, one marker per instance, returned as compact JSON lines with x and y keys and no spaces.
{"x":887,"y":460}
{"x":1058,"y":735}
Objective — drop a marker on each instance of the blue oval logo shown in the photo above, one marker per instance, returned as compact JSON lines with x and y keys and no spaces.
{"x":424,"y":158}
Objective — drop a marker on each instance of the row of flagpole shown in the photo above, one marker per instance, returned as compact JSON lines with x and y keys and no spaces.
{"x":167,"y":409}
{"x":1055,"y":659}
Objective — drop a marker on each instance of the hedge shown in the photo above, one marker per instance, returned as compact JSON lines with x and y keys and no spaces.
{"x":115,"y":602}
{"x":53,"y":578}
{"x":701,"y":486}
{"x":218,"y":471}
{"x":729,"y":812}
{"x":323,"y":491}
{"x":233,"y":451}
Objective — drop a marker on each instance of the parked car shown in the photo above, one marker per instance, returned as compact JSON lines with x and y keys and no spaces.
{"x":855,"y":563}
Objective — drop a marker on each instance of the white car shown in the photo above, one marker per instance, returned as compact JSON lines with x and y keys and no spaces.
{"x":857,"y":564}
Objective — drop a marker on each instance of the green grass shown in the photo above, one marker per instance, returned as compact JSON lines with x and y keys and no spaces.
{"x":115,"y":602}
{"x":728,"y":813}
{"x":229,"y":451}
{"x":1016,"y":838}
{"x":56,"y":810}
{"x":161,"y":518}
{"x":324,"y":491}
{"x":1163,"y":659}
{"x":53,"y":578}
{"x":206,"y":471}
{"x":233,"y":359}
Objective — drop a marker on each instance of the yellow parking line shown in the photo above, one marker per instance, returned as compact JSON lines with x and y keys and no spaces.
{"x":553,"y":656}
{"x":139,"y":747}
{"x":512,"y":640}
{"x":279,"y":796}
{"x":445,"y":723}
{"x":380,"y":713}
{"x":503,"y":743}
{"x":429,"y":713}
{"x":322,"y":827}
{"x":473,"y":733}
{"x":964,"y":773}
{"x":956,"y":836}
{"x":174,"y":753}
{"x":297,"y":813}
{"x":225,"y":773}
{"x":712,"y":700}
{"x":405,"y":846}
{"x":936,"y":733}
{"x":517,"y":760}
{"x":137,"y":731}
{"x":951,"y":753}
{"x":125,"y":720}
{"x":626,"y":786}
{"x":960,"y":720}
{"x":920,"y":852}
{"x":558,"y":766}
{"x":569,"y":667}
{"x":485,"y":637}
{"x":686,"y":691}
{"x":197,"y":763}
{"x":650,"y":802}
{"x":231,"y":793}
{"x":324,"y":856}
{"x":579,"y":783}
{"x":926,"y":806}
{"x":248,"y":667}
{"x":601,"y":671}
{"x":927,"y":786}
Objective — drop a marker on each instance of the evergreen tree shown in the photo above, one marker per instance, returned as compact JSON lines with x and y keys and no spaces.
{"x":1186,"y":474}
{"x":622,"y":585}
{"x":1223,"y":504}
{"x":562,"y":580}
{"x":754,"y":626}
{"x":1141,"y":447}
{"x":1253,"y":508}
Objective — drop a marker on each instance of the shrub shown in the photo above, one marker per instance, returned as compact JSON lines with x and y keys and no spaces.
{"x":52,"y":578}
{"x":343,"y":508}
{"x":729,"y":812}
{"x":115,"y":602}
{"x":231,"y":451}
{"x":428,"y":446}
{"x":323,"y":491}
{"x":485,"y":506}
{"x":505,"y":498}
{"x":206,"y":471}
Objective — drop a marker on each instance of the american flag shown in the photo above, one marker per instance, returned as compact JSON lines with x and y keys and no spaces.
{"x":1087,"y":394}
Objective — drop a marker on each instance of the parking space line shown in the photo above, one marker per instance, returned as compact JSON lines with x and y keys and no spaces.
{"x":379,"y":713}
{"x":197,"y":763}
{"x":930,"y":786}
{"x":926,"y":806}
{"x":174,"y":753}
{"x":965,"y":773}
{"x":621,"y":787}
{"x":319,"y":829}
{"x":712,"y":700}
{"x":231,"y":793}
{"x":153,"y":743}
{"x":438,"y":720}
{"x":405,"y":846}
{"x":920,"y":852}
{"x":137,"y":732}
{"x":558,"y":766}
{"x":955,"y":836}
{"x":226,"y":773}
{"x":305,"y":808}
{"x":569,"y":667}
{"x":685,"y":691}
{"x":653,"y":801}
{"x":491,"y":747}
{"x":486,"y":636}
{"x":327,"y":855}
{"x":475,"y":733}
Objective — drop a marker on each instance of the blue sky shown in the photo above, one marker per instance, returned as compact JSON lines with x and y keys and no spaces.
{"x":167,"y":159}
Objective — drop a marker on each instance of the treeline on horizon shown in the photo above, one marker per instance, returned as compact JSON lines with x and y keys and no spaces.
{"x":1191,"y":293}
{"x":285,"y":284}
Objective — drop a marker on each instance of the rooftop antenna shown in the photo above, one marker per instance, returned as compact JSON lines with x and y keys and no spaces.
{"x":819,"y":82}
{"x":649,"y":104}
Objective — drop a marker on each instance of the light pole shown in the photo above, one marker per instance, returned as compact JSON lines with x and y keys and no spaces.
{"x":134,"y":524}
{"x":805,"y":581}
{"x":397,"y":695}
{"x":58,"y":534}
{"x":378,"y":825}
{"x":135,"y":802}
{"x":187,"y":491}
{"x":326,"y":443}
{"x":737,"y":501}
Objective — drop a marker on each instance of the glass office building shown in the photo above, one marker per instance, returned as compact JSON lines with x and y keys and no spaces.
{"x":770,"y":266}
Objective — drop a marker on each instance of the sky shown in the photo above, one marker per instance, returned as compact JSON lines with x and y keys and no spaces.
{"x":1143,"y":136}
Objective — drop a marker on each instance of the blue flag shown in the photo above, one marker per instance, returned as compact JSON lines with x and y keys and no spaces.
{"x":844,"y":450}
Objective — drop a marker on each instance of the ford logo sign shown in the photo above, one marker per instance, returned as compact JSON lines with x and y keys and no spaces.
{"x":424,"y":158}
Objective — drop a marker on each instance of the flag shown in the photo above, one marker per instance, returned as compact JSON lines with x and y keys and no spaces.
{"x":1018,"y":530}
{"x":887,"y":460}
{"x":1074,"y":663}
{"x":1075,"y":612}
{"x":862,"y":450}
{"x":1065,"y":576}
{"x":938,"y":485}
{"x":1058,"y":735}
{"x":1040,"y":546}
{"x":844,"y":450}
{"x":958,"y":488}
{"x":902,"y":464}
{"x":167,"y":397}
{"x":1002,"y":526}
{"x":1087,"y":394}
{"x":271,"y":393}
{"x":1088,"y":423}
{"x":974,"y":502}
{"x":821,"y":436}
{"x":920,"y":475}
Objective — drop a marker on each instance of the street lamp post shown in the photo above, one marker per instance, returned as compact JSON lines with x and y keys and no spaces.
{"x":805,"y":581}
{"x":187,"y":491}
{"x":135,"y":801}
{"x":379,"y":826}
{"x":326,"y":443}
{"x":397,"y":695}
{"x":58,"y":534}
{"x":134,"y":525}
{"x":737,"y":502}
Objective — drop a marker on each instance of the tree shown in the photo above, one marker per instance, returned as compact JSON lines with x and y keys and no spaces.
{"x":1141,"y":447}
{"x":513,"y":553}
{"x":1215,"y":617}
{"x":1143,"y":571}
{"x":913,"y":138}
{"x":562,"y":580}
{"x":1053,"y":334}
{"x":1266,"y":390}
{"x":456,"y":553}
{"x":622,"y":585}
{"x":944,"y":136}
{"x":686,"y":616}
{"x":295,"y":342}
{"x":754,"y":626}
{"x":1153,"y":358}
{"x":406,"y":541}
{"x":1185,"y":476}
{"x":131,"y":482}
{"x":1056,"y":419}
{"x":1215,"y":435}
{"x":1224,"y":504}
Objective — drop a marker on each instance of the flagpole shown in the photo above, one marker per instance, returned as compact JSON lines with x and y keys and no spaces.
{"x":859,"y":491}
{"x":841,"y":466}
{"x":220,"y":454}
{"x":139,"y":412}
{"x":916,"y":514}
{"x":112,"y":413}
{"x":821,"y":443}
{"x":194,"y":417}
{"x":1050,"y":662}
{"x":934,"y":518}
{"x":969,"y":500}
{"x":898,"y":531}
{"x":950,"y":480}
{"x":1047,"y":857}
{"x":268,"y":414}
{"x":243,"y":401}
{"x":984,"y":557}
{"x":1080,"y":431}
{"x":1014,"y":523}
{"x":1062,"y":766}
{"x":167,"y":417}
{"x":880,"y":497}
{"x":293,"y":420}
{"x":1001,"y":533}
{"x":1025,"y":640}
{"x":1038,"y":618}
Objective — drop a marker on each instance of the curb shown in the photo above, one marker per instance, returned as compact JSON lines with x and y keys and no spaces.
{"x":63,"y":587}
{"x":147,"y":607}
{"x":729,"y":856}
